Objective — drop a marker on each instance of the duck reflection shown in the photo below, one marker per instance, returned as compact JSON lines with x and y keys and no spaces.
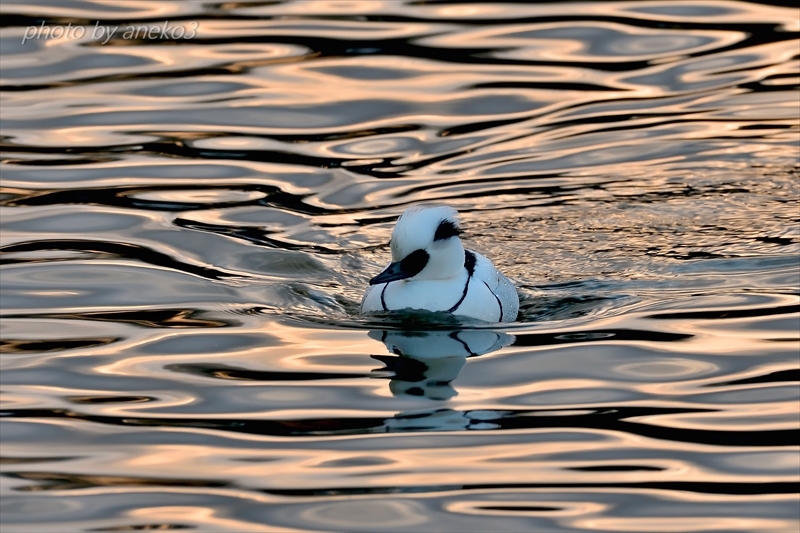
{"x":426,"y":362}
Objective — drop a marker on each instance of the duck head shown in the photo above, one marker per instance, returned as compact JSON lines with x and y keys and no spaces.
{"x":425,"y":245}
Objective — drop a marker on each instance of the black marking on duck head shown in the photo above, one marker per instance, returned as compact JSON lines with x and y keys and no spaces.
{"x":410,"y":266}
{"x":445,"y":230}
{"x":414,"y":262}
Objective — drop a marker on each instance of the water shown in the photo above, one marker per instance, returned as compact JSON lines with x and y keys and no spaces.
{"x":188,"y":225}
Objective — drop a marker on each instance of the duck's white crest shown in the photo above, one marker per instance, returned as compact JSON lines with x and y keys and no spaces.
{"x":431,"y":270}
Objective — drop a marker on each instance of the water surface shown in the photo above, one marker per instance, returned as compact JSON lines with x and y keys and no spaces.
{"x":188,"y":225}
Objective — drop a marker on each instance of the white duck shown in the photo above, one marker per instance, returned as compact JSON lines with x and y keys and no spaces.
{"x":432,"y":271}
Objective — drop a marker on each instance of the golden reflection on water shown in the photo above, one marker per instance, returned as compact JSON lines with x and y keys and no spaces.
{"x":670,"y":524}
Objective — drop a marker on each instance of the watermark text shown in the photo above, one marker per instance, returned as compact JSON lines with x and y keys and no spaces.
{"x":102,"y":33}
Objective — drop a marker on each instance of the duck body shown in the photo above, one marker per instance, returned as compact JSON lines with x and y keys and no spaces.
{"x":432,"y":271}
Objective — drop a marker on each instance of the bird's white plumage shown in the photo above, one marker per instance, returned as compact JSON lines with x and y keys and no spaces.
{"x":452,"y":279}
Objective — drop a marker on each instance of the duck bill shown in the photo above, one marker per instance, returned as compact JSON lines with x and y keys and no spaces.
{"x":392,"y":273}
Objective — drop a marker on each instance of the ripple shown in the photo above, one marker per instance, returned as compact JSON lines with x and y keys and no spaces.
{"x":585,"y":42}
{"x":196,"y":196}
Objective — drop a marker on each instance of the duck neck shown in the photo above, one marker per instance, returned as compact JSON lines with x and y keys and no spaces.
{"x":446,"y":263}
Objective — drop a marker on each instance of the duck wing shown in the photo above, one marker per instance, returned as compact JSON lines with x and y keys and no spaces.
{"x":499,"y":285}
